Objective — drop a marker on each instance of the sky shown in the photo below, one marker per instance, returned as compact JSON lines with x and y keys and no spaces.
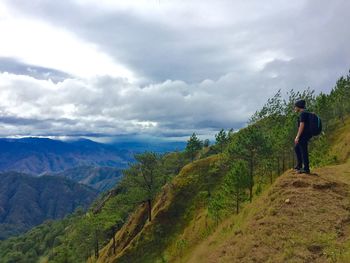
{"x":160,"y":68}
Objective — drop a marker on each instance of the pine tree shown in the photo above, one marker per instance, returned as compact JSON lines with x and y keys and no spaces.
{"x":237,"y":181}
{"x":206,"y":143}
{"x":193,"y":146}
{"x":221,"y":139}
{"x":249,"y":145}
{"x":143,"y":178}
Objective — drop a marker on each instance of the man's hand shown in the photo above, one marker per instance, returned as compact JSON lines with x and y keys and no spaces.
{"x":296,"y":140}
{"x":300,"y":131}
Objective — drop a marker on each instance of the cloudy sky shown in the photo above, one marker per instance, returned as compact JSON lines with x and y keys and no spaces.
{"x":163,"y":68}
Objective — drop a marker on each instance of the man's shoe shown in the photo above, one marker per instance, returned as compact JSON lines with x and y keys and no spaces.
{"x":297,"y":168}
{"x":303,"y":171}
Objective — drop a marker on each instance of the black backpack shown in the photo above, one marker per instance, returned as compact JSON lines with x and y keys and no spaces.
{"x":315,"y":124}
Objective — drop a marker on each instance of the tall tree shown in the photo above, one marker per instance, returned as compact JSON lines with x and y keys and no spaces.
{"x":209,"y":171}
{"x":193,"y":146}
{"x":144,"y":178}
{"x":340,"y":98}
{"x":221,"y":139}
{"x":206,"y":143}
{"x":249,"y":145}
{"x":237,"y":181}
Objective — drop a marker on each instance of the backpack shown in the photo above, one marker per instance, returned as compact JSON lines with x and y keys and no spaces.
{"x":315,"y":124}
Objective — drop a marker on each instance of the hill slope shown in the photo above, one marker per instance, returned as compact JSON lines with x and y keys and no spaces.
{"x":302,"y":218}
{"x":26,"y":201}
{"x":312,"y":226}
{"x":175,"y":208}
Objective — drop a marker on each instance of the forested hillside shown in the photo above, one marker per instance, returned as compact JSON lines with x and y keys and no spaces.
{"x":27,"y":201}
{"x":166,"y":206}
{"x":99,"y":178}
{"x":78,"y":235}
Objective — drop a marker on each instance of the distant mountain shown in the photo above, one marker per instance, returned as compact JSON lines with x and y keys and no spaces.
{"x":144,"y":144}
{"x":26,"y":201}
{"x":94,"y":164}
{"x":41,"y":155}
{"x":100,"y":178}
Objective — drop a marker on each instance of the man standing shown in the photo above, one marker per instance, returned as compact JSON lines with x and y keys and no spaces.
{"x":302,"y":138}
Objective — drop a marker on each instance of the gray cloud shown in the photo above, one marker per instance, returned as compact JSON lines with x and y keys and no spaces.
{"x":112,"y":106}
{"x":160,"y":50}
{"x":207,"y":66}
{"x":16,"y":67}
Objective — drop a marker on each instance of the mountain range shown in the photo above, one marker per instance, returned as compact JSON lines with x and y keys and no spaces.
{"x":42,"y":178}
{"x":99,"y":178}
{"x":42,"y":155}
{"x":39,"y":156}
{"x":26,"y":201}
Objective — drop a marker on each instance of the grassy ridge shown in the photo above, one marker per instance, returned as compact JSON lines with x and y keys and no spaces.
{"x":312,"y":226}
{"x":192,"y":235}
{"x":174,"y":209}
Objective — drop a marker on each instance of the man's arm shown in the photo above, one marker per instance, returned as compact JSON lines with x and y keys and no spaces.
{"x":300,"y":131}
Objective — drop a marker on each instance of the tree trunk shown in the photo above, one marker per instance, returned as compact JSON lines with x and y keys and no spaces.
{"x":237,"y":202}
{"x":96,"y":245}
{"x":149,"y":210}
{"x":251,"y":181}
{"x":209,"y":193}
{"x":271,"y":176}
{"x":113,"y":236}
{"x":113,"y":245}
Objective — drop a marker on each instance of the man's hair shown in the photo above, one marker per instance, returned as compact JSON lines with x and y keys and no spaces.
{"x":300,"y":104}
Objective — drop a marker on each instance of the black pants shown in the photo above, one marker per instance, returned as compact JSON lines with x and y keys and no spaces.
{"x":302,"y":153}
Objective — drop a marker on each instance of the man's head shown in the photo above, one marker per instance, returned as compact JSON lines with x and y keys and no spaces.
{"x":299,"y":105}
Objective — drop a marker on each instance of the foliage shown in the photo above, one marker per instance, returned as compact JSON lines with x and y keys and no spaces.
{"x":144,"y":178}
{"x":221,"y":140}
{"x":206,"y":143}
{"x":236,"y":182}
{"x":193,"y":146}
{"x":250,"y":145}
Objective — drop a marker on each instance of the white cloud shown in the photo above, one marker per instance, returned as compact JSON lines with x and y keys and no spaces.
{"x":110,"y":106}
{"x":35,"y":42}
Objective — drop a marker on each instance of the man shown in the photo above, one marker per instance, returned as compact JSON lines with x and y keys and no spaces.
{"x":302,"y":138}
